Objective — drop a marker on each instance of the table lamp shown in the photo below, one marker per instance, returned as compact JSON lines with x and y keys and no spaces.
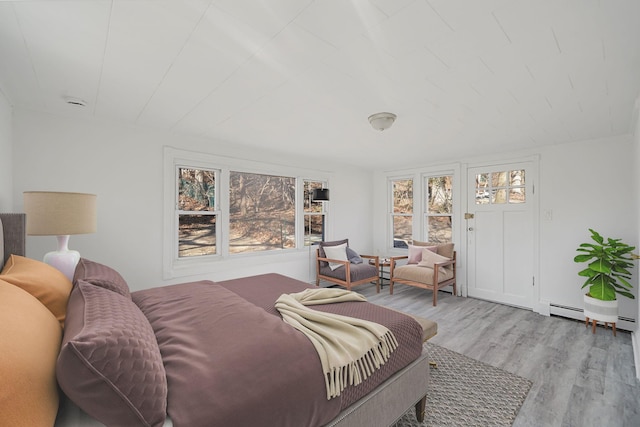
{"x":60,"y":214}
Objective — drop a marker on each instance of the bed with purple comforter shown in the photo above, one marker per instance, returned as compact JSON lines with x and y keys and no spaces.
{"x":252,"y":368}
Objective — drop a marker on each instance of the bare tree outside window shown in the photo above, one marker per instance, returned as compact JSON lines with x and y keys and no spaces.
{"x":402,"y":211}
{"x":196,"y":212}
{"x":261,"y":212}
{"x":501,"y":187}
{"x":439,"y":209}
{"x":314,"y":214}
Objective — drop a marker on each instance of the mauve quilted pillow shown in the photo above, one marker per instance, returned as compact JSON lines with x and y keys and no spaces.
{"x":101,"y":275}
{"x":110,"y":363}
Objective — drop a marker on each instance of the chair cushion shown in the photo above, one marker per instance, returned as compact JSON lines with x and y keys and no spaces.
{"x":429,"y":259}
{"x":444,"y":249}
{"x":415,"y":253}
{"x":354,"y":257}
{"x":358,"y":272}
{"x":339,"y":253}
{"x":419,"y":274}
{"x":322,"y":245}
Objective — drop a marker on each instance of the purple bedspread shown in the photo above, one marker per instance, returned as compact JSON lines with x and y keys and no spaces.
{"x":231,"y":360}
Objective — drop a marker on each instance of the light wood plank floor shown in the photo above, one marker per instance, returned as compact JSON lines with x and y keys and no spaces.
{"x":579,"y":379}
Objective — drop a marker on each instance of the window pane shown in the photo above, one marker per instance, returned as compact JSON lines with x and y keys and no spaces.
{"x":482,"y":180}
{"x":261,"y":212}
{"x":196,"y":235}
{"x":516,"y":178}
{"x":517,"y":195}
{"x":401,"y":231}
{"x":439,"y":199}
{"x":498,"y":179}
{"x":440,"y":229}
{"x":309,"y":204}
{"x":313,"y":229}
{"x":482,"y":197}
{"x":403,"y":196}
{"x":499,"y":196}
{"x":196,"y":189}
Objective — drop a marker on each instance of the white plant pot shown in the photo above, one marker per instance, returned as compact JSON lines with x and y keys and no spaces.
{"x":603,"y":311}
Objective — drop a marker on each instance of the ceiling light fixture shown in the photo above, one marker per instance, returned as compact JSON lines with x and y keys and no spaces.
{"x":382,"y":121}
{"x":75,"y":101}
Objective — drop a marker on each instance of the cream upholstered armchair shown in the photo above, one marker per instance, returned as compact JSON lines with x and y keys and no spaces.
{"x":337,"y":263}
{"x":429,"y":266}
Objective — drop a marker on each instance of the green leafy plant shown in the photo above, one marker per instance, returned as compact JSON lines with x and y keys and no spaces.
{"x":608,"y":270}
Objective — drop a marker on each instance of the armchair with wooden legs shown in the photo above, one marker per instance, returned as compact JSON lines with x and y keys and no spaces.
{"x":438,"y":272}
{"x":343,"y":271}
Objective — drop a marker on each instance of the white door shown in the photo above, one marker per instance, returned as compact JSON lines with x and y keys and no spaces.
{"x":500,"y":233}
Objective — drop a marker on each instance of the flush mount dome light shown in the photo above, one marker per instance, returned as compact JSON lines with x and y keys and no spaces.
{"x":77,"y":102}
{"x":382,"y":121}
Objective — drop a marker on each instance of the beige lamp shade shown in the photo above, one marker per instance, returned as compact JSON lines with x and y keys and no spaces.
{"x":55,"y":213}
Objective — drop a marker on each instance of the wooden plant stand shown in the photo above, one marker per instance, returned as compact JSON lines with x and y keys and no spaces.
{"x":606,"y":325}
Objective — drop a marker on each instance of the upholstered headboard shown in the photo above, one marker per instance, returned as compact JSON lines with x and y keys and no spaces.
{"x":12,"y":235}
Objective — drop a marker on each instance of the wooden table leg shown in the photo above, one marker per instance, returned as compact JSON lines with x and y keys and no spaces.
{"x":586,"y":322}
{"x":421,"y":407}
{"x":594,"y":326}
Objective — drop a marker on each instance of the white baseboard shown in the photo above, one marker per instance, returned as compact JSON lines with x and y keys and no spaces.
{"x":636,"y":352}
{"x":577,"y":314}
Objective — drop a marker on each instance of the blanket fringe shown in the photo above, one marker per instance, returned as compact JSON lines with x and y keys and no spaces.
{"x":359,"y":370}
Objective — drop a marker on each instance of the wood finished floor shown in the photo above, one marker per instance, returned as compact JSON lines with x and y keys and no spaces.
{"x":579,"y":379}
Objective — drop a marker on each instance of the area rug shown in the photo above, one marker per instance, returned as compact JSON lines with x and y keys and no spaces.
{"x":466,"y":392}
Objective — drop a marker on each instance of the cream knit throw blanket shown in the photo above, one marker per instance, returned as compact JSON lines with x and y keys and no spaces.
{"x":350,"y":349}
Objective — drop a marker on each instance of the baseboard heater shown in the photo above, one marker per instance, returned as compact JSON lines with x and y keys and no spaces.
{"x":581,"y":311}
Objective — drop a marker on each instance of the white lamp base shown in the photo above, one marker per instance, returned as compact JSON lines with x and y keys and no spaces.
{"x":63,"y":259}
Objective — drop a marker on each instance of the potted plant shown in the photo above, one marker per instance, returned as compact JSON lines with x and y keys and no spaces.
{"x":607,"y":274}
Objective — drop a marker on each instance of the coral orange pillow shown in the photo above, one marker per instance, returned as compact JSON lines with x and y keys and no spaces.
{"x":29,"y":346}
{"x":50,"y":286}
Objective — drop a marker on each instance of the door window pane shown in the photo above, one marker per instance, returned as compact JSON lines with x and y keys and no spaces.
{"x":261,"y":212}
{"x":517,"y":195}
{"x":499,"y":196}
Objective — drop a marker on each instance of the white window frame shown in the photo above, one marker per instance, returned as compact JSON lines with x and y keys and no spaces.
{"x":173,"y":266}
{"x":216,"y":212}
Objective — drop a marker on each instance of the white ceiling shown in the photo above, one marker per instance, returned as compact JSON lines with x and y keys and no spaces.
{"x":465,"y":77}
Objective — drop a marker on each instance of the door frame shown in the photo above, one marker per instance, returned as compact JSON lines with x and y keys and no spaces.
{"x":534,"y":176}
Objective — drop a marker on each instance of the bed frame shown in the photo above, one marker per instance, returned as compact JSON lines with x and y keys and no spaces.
{"x":383,"y":406}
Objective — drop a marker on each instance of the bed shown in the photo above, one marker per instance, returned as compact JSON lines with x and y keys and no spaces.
{"x":196,"y":353}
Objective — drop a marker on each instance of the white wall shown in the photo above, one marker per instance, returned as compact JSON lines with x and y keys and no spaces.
{"x":123,"y":165}
{"x":6,"y":164}
{"x":585,"y":185}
